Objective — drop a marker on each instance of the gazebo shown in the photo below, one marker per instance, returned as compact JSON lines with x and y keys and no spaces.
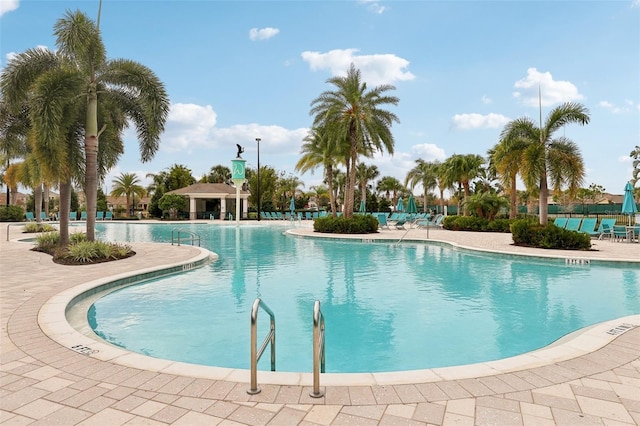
{"x":213,"y":200}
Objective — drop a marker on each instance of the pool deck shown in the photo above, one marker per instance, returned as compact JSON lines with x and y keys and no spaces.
{"x":589,"y":378}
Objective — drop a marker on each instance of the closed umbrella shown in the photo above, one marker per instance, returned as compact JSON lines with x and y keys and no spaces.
{"x":400,"y":206}
{"x":411,"y":205}
{"x":363,"y":208}
{"x":628,"y":203}
{"x":292,"y":205}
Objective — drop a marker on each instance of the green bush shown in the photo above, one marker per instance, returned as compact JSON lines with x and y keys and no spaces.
{"x":11,"y":214}
{"x":529,"y":234}
{"x":478,"y":224}
{"x":32,"y":227}
{"x":359,"y":224}
{"x":48,"y":242}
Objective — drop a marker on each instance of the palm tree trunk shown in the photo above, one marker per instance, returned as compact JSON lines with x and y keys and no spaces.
{"x":37,"y":197}
{"x":332,"y":194}
{"x":465,"y":185}
{"x":544,"y":198}
{"x":45,"y":196}
{"x":65,"y":207}
{"x":425,"y":202}
{"x":513,"y":209}
{"x":91,"y":156}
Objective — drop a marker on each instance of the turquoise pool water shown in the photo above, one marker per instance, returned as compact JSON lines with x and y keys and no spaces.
{"x":387,"y":307}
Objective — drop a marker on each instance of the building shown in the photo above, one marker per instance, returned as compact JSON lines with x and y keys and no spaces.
{"x":213,"y":200}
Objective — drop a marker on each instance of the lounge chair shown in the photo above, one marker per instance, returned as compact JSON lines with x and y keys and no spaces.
{"x":560,"y":222}
{"x":83,"y":215}
{"x":382,"y":221}
{"x":437,"y":221}
{"x":573,"y":224}
{"x":43,"y":216}
{"x":620,"y":233}
{"x":588,"y":226}
{"x":108,"y":215}
{"x":99,"y":215}
{"x":399,"y":224}
{"x":307,"y":215}
{"x":73,"y":216}
{"x":606,"y":228}
{"x":29,"y":216}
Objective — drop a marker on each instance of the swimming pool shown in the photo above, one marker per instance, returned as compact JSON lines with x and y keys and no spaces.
{"x":387,"y":307}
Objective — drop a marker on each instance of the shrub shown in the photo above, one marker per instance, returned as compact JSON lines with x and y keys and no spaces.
{"x":11,"y":214}
{"x":82,"y":252}
{"x":48,"y":242}
{"x":473,"y":223}
{"x":359,"y":224}
{"x":529,"y":234}
{"x":37,"y":227}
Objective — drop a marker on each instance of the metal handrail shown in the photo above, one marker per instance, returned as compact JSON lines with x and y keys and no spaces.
{"x":270,"y":338}
{"x":194,"y":237}
{"x":318,"y":350}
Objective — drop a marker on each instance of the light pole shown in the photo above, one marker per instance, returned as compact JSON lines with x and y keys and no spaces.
{"x":258,"y":141}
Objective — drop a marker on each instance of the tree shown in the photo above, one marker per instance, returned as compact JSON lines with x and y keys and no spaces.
{"x":128,"y":185}
{"x":506,"y":157}
{"x":549,"y":161}
{"x":319,"y":150}
{"x":635,"y":174}
{"x":173,"y":203}
{"x":485,"y":204}
{"x":218,"y":174}
{"x":268,"y":187}
{"x":365,"y":174}
{"x":390,"y":187}
{"x":354,"y":115}
{"x":425,"y":173}
{"x":125,"y":87}
{"x":463,"y":169}
{"x":177,"y":177}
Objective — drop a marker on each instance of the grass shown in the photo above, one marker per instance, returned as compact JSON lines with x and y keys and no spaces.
{"x":80,"y":251}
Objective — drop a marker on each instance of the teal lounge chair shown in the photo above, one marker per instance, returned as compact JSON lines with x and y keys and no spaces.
{"x":573,"y":224}
{"x":83,"y":215}
{"x":588,"y":226}
{"x":99,"y":215}
{"x":382,"y":221}
{"x":108,"y":215}
{"x":606,"y":228}
{"x":620,"y":233}
{"x":43,"y":216}
{"x":560,"y":222}
{"x":29,"y":216}
{"x":73,"y":216}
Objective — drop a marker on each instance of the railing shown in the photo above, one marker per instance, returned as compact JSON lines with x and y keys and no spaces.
{"x":318,"y":350}
{"x":257,"y":353}
{"x":177,"y":232}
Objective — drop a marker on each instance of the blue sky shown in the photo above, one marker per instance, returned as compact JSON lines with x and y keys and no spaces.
{"x":238,"y":70}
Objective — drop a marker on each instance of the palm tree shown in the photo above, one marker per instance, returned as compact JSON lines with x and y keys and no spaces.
{"x":126,"y":89}
{"x":635,"y":174}
{"x":219,"y":174}
{"x":463,"y":169}
{"x":506,"y":157}
{"x":365,"y":174}
{"x":546,"y":159}
{"x":390,"y":186}
{"x":318,"y":150}
{"x":425,"y":173}
{"x":353,"y":114}
{"x":128,"y":185}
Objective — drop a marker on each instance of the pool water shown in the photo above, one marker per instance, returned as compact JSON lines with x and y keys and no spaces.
{"x":387,"y":307}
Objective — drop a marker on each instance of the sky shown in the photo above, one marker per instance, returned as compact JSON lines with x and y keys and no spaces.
{"x":240,"y":70}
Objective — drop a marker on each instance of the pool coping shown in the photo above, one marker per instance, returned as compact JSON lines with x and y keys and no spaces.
{"x":53,"y":321}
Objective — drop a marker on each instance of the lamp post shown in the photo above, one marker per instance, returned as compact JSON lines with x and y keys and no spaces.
{"x":258,"y":141}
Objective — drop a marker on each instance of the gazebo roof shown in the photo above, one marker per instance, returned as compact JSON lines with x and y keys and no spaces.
{"x":213,"y":190}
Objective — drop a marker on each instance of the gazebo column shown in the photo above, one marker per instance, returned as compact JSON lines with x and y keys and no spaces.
{"x":192,"y":208}
{"x":223,"y":207}
{"x":245,"y":207}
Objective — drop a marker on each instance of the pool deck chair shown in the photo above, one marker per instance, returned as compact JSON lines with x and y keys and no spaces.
{"x":588,"y":226}
{"x":99,"y":215}
{"x":620,"y":233}
{"x":73,"y":216}
{"x":108,"y":216}
{"x":560,"y":222}
{"x":83,"y":215}
{"x":29,"y":216}
{"x":382,"y":221}
{"x":43,"y":216}
{"x":573,"y":224}
{"x":399,"y":224}
{"x":606,"y":228}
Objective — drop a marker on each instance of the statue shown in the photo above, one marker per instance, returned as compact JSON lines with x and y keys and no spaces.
{"x":240,"y":151}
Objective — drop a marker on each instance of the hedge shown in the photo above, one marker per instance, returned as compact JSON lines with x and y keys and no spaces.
{"x":360,"y":224}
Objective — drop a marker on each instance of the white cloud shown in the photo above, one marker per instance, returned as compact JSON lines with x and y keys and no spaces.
{"x":188,"y":126}
{"x":429,"y":152}
{"x":635,"y":3}
{"x":479,"y":121}
{"x":625,"y":159}
{"x":8,"y":6}
{"x":375,"y":6}
{"x":486,"y":100}
{"x":262,"y":33}
{"x":376,"y":69}
{"x":615,"y":109}
{"x":551,"y":91}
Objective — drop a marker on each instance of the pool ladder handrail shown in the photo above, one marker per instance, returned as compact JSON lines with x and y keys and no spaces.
{"x":318,"y":350}
{"x":193,"y":236}
{"x":270,"y":338}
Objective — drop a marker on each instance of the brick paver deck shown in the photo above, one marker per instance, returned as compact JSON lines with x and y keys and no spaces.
{"x":43,"y":382}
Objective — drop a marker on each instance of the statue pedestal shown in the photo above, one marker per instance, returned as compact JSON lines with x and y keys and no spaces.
{"x":237,"y":176}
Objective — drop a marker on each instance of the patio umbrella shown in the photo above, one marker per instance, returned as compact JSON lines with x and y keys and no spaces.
{"x":292,"y":205}
{"x":363,"y":208}
{"x":628,"y":203}
{"x":400,"y":206}
{"x":411,"y":205}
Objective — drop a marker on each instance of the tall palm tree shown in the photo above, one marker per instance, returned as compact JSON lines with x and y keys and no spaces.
{"x":390,"y":186}
{"x":364,"y":175}
{"x":319,"y":150}
{"x":463,"y":169}
{"x":548,"y":160}
{"x":219,"y":174}
{"x":506,"y":157}
{"x":128,"y":185}
{"x":425,"y":173}
{"x":354,"y":114}
{"x":130,"y":87}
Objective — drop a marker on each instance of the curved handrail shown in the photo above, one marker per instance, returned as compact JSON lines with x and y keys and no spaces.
{"x":318,"y":350}
{"x":257,"y":353}
{"x":194,"y":237}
